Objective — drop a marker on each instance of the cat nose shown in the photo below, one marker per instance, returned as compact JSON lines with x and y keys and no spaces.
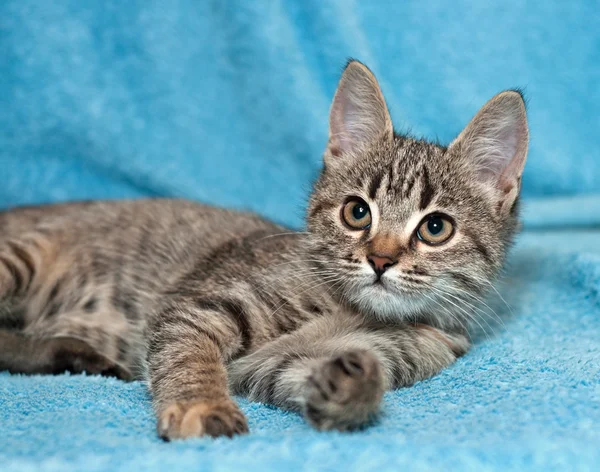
{"x":380,"y":263}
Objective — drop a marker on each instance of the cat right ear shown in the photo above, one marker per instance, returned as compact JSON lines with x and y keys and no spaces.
{"x":496,"y":142}
{"x":358,"y":115}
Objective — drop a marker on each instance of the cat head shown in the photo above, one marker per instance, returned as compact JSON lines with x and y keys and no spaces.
{"x":406,"y":228}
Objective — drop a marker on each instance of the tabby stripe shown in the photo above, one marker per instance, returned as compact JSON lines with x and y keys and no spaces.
{"x":320,"y":207}
{"x":312,"y":308}
{"x":14,"y":272}
{"x":412,"y":279}
{"x":182,"y":363}
{"x":187,"y":389}
{"x":375,"y":183}
{"x":24,"y":256}
{"x":391,"y":357}
{"x":99,"y":266}
{"x":90,"y":305}
{"x":465,"y":280}
{"x":118,"y":298}
{"x":82,"y":282}
{"x":13,"y":320}
{"x":427,"y":191}
{"x":125,"y":303}
{"x":123,"y":348}
{"x":275,"y":308}
{"x":236,"y":311}
{"x":390,"y":179}
{"x":102,"y":337}
{"x":417,"y":271}
{"x":271,"y":381}
{"x":402,"y":176}
{"x":83,"y":332}
{"x":404,"y":368}
{"x":410,"y":363}
{"x":53,"y":309}
{"x":409,"y":186}
{"x":272,"y":300}
{"x":481,"y":249}
{"x":167,"y":321}
{"x":54,"y":291}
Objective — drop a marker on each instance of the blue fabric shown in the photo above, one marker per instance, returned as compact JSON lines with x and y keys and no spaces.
{"x":226,"y":102}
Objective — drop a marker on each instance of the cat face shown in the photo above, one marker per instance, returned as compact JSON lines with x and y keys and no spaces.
{"x":404,"y":228}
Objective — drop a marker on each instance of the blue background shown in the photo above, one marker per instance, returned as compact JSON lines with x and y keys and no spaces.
{"x":226,"y":102}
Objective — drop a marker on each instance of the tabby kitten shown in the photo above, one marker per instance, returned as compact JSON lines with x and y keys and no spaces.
{"x":403,"y":237}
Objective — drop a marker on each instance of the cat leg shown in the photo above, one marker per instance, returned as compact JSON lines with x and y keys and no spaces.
{"x":37,"y":335}
{"x":187,"y":350}
{"x":104,"y":335}
{"x":26,"y":355}
{"x":334,"y":370}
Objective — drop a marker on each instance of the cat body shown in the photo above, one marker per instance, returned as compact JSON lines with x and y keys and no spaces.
{"x":98,"y":271}
{"x":403,"y":239}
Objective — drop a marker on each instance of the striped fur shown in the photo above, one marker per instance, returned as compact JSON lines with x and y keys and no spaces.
{"x":202,"y":302}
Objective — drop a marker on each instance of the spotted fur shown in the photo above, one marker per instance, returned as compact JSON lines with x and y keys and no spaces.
{"x":202,"y":302}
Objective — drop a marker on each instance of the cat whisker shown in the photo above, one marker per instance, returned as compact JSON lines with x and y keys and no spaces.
{"x":452,"y":315}
{"x":291,"y":233}
{"x":474,"y":308}
{"x":312,"y":287}
{"x":482,"y":302}
{"x":475,"y":311}
{"x":499,"y":295}
{"x":487,"y":282}
{"x":298,"y":261}
{"x":469,"y":315}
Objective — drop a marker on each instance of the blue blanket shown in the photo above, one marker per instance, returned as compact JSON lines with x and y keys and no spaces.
{"x":226,"y":102}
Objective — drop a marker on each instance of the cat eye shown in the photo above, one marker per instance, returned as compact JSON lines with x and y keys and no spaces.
{"x":435,"y":229}
{"x":356,"y":214}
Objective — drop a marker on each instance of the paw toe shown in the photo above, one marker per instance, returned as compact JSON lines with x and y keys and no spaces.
{"x":200,"y":418}
{"x":168,"y":422}
{"x":356,"y":363}
{"x":192,"y":424}
{"x":344,"y":392}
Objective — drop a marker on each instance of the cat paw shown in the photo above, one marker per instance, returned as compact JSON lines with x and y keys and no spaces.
{"x":345,"y":392}
{"x":201,"y":418}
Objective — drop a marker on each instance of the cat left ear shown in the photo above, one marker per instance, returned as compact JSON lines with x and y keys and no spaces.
{"x":358,"y":115}
{"x":496,"y":141}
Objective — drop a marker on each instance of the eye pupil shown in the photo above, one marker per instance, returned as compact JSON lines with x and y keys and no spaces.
{"x":359,"y":211}
{"x":435,"y":225}
{"x":435,"y":229}
{"x":356,"y":214}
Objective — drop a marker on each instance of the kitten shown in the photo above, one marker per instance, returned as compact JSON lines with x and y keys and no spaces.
{"x":404,"y":237}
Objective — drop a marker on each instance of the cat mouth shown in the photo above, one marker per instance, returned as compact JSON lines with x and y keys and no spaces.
{"x":380,"y":284}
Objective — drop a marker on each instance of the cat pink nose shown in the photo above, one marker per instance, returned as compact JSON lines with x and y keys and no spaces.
{"x":380,"y":263}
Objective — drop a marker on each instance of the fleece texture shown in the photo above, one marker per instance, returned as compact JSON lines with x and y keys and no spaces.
{"x":226,"y":102}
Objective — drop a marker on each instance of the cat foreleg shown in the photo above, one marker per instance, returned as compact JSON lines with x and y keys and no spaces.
{"x":334,"y":370}
{"x":187,"y":350}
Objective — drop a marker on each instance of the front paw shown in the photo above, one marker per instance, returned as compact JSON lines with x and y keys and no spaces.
{"x":344,"y":392}
{"x":201,"y":418}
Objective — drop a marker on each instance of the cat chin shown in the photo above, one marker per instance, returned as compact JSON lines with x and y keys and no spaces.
{"x":387,"y":304}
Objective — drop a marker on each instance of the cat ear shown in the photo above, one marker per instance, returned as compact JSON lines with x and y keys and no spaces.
{"x":358,"y":114}
{"x":496,"y":140}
